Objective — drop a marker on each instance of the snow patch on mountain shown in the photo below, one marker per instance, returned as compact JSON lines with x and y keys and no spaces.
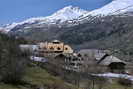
{"x":75,"y":14}
{"x":67,"y":13}
{"x":115,"y":7}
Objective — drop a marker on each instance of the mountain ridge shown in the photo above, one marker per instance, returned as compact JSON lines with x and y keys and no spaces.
{"x":114,"y":6}
{"x":72,"y":14}
{"x":62,"y":15}
{"x":107,"y":31}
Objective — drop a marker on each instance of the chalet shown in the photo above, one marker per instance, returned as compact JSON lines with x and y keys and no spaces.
{"x":103,"y":59}
{"x":63,"y":54}
{"x":113,"y":63}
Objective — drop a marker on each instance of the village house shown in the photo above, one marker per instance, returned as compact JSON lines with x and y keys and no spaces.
{"x":63,"y":54}
{"x":54,"y":47}
{"x":104,"y":60}
{"x":73,"y":62}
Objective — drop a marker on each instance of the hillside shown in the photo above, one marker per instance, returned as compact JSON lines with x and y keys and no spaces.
{"x":113,"y":32}
{"x":18,"y":72}
{"x":100,"y":28}
{"x":90,"y":49}
{"x":36,"y":77}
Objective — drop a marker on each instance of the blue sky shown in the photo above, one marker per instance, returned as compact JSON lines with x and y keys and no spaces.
{"x":19,"y":10}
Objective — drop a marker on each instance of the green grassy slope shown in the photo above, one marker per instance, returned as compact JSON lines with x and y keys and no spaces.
{"x":36,"y":77}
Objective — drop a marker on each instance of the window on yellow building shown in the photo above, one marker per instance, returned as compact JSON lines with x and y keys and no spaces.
{"x":58,"y":48}
{"x":51,"y":48}
{"x":66,"y":48}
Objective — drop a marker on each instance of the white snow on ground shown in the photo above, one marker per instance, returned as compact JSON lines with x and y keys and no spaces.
{"x":38,"y":59}
{"x":114,"y":75}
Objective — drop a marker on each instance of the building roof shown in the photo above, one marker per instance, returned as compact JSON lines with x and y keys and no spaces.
{"x":110,"y":59}
{"x":56,"y":41}
{"x":28,"y":47}
{"x":99,"y":56}
{"x":38,"y":59}
{"x":68,"y":55}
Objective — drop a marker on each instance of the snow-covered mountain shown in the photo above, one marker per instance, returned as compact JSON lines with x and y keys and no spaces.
{"x":115,"y":7}
{"x":70,"y":15}
{"x":67,"y":13}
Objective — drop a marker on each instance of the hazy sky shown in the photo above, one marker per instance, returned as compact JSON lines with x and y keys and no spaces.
{"x":19,"y":10}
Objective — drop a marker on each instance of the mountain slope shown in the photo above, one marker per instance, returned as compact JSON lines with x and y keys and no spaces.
{"x":38,"y":78}
{"x":113,"y":32}
{"x":108,"y":31}
{"x":67,"y":13}
{"x":115,"y":7}
{"x":70,"y":15}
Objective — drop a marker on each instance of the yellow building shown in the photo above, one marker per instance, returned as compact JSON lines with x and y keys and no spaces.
{"x":55,"y":47}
